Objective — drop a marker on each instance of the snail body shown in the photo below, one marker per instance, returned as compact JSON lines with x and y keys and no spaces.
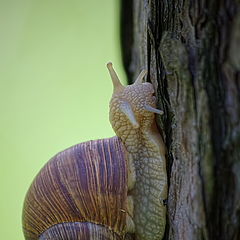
{"x":107,"y":189}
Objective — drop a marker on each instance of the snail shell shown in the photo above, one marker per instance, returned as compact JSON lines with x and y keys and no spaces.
{"x":81,"y":193}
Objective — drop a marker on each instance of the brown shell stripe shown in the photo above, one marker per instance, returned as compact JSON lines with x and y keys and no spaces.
{"x":79,"y":231}
{"x":85,"y":183}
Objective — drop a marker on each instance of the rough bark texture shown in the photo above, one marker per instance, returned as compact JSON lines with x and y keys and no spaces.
{"x":192,"y":52}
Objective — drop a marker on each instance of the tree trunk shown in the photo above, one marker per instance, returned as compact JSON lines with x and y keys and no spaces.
{"x":191,"y":50}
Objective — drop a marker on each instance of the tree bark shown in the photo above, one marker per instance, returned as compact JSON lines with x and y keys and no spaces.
{"x":191,"y":50}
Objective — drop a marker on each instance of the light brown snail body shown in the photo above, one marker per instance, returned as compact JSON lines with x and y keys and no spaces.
{"x":105,"y":189}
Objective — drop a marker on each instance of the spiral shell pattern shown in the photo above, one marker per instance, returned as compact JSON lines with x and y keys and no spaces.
{"x":86,"y":183}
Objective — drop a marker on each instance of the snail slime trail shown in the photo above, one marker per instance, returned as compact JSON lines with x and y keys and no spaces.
{"x":109,"y":188}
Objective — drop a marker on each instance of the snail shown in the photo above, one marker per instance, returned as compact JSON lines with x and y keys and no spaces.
{"x":106,"y":189}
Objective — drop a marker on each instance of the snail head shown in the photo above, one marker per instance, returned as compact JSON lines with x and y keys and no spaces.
{"x":132,"y":106}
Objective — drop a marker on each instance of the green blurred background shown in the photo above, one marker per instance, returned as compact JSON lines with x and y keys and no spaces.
{"x":55,"y":88}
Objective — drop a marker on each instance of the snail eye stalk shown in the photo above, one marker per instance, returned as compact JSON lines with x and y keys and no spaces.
{"x":154,"y":110}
